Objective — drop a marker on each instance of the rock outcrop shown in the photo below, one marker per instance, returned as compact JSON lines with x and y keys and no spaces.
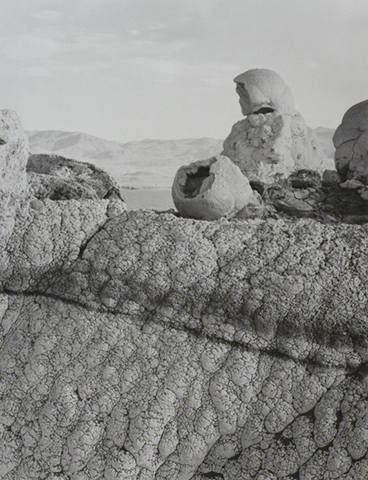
{"x":274,"y":139}
{"x":13,"y":154}
{"x":351,"y":143}
{"x":144,"y":346}
{"x":211,"y":189}
{"x":59,"y":178}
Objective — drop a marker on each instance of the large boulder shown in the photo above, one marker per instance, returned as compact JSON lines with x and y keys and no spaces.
{"x":274,"y":139}
{"x":13,"y":154}
{"x":211,"y":189}
{"x":351,"y":143}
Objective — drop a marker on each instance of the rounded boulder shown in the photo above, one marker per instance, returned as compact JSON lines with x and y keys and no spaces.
{"x":211,"y":189}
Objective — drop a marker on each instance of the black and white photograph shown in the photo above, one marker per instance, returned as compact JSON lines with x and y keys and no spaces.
{"x":184,"y":240}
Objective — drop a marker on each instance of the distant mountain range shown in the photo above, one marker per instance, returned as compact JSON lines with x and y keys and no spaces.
{"x":142,"y":164}
{"x":147,"y":163}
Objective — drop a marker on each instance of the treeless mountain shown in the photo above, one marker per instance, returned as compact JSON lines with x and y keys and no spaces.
{"x":143,"y":164}
{"x":147,"y":163}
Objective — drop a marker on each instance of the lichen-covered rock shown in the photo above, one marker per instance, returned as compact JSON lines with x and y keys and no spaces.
{"x":274,"y":139}
{"x":13,"y":154}
{"x":351,"y":143}
{"x":211,"y":189}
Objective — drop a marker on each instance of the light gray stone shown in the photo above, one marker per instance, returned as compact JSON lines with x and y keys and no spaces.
{"x":211,"y":189}
{"x":13,"y":154}
{"x":262,"y":89}
{"x":225,"y":347}
{"x":351,"y":143}
{"x":274,"y":139}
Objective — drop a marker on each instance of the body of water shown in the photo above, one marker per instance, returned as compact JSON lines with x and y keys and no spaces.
{"x":153,"y":198}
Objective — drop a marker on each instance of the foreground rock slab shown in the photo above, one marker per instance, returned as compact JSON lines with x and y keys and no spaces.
{"x":153,"y":347}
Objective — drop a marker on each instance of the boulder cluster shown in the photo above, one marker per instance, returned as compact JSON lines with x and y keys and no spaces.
{"x":280,"y":162}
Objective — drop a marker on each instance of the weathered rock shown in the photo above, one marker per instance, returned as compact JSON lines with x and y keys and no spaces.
{"x":352,"y":184}
{"x":274,"y":139}
{"x":59,"y":178}
{"x":13,"y":154}
{"x":163,"y":348}
{"x":305,"y":179}
{"x":211,"y":189}
{"x":151,"y":347}
{"x":263,"y":91}
{"x":351,"y":143}
{"x":327,"y":202}
{"x":330,"y":178}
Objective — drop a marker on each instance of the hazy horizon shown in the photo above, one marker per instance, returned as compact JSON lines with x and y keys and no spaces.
{"x":130,"y":70}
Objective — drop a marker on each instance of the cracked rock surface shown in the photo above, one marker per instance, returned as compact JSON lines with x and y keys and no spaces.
{"x":14,"y":153}
{"x":146,"y":346}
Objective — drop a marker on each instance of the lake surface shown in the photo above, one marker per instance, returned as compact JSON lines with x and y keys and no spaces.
{"x":153,"y":198}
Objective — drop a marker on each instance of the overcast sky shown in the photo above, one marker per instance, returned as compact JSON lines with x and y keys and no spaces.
{"x":132,"y":69}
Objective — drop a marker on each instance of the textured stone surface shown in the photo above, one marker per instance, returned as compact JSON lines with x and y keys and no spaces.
{"x":351,"y":143}
{"x":274,"y":139}
{"x":331,"y":177}
{"x":328,"y":201}
{"x":305,"y":179}
{"x":211,"y":189}
{"x":154,"y":347}
{"x":59,"y":178}
{"x":13,"y":154}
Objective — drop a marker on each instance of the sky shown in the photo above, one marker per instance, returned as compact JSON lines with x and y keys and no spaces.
{"x":128,"y":70}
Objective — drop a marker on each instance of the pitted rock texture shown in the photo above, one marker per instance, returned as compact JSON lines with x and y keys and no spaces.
{"x":351,"y":143}
{"x":303,"y":194}
{"x":274,"y":139}
{"x":14,"y":153}
{"x":153,"y":347}
{"x":59,"y":178}
{"x":211,"y":189}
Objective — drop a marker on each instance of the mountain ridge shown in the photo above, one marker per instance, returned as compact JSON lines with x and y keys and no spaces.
{"x":136,"y":164}
{"x":148,"y":163}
